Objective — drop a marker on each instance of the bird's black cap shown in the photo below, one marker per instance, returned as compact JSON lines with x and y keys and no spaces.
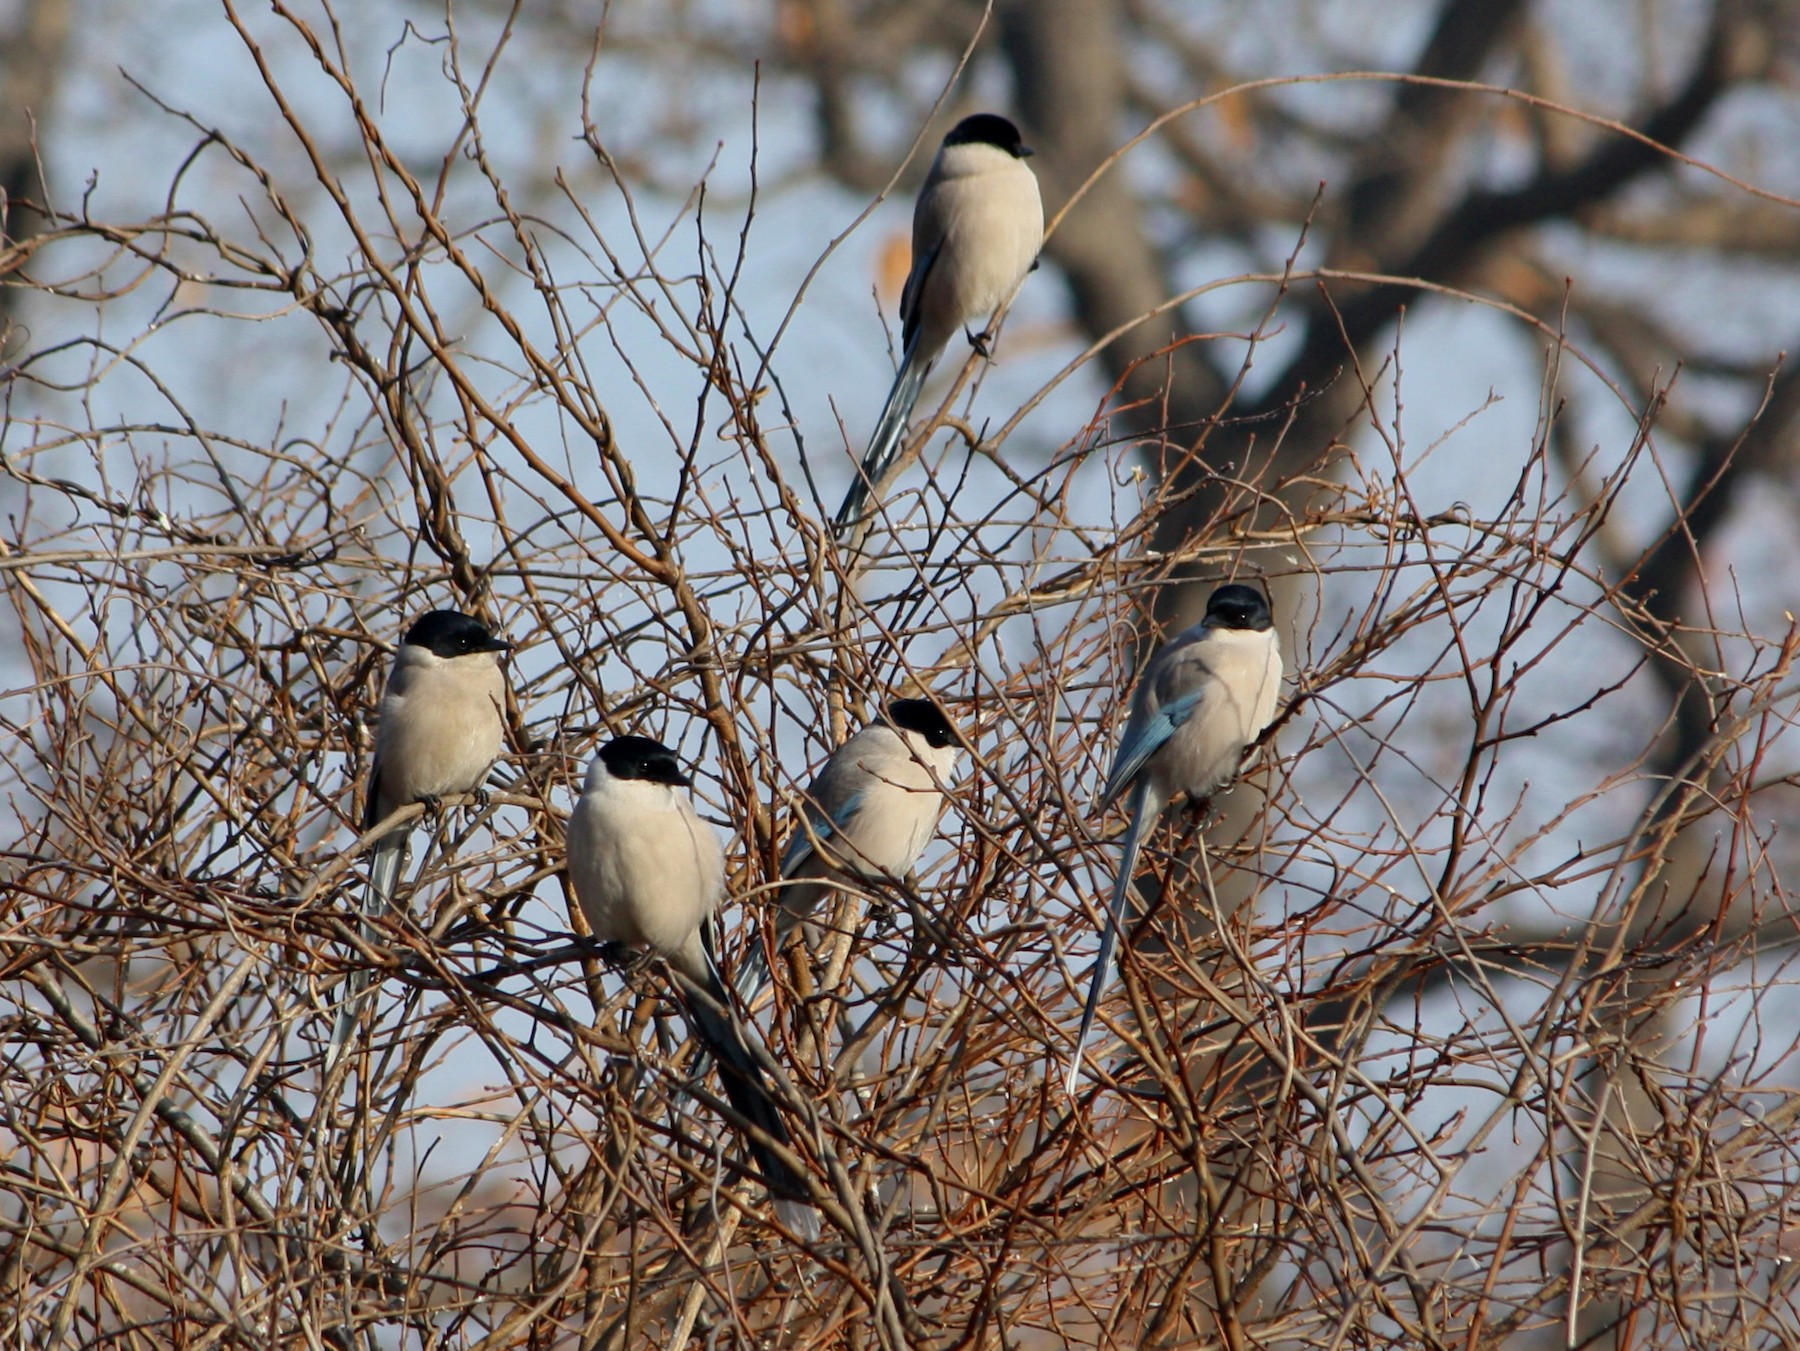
{"x":989,"y":129}
{"x":925,"y":718}
{"x":450,"y":633}
{"x":638,"y":757}
{"x":1236,"y":606}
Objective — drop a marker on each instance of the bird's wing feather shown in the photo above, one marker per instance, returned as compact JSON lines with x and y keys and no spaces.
{"x":924,"y":260}
{"x":816,"y":827}
{"x":1144,"y":737}
{"x":371,"y":801}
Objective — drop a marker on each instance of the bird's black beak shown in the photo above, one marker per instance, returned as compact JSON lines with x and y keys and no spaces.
{"x":495,"y":643}
{"x":1025,"y":152}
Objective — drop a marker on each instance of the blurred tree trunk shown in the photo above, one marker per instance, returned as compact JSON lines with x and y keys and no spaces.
{"x":1400,"y":212}
{"x":31,"y":53}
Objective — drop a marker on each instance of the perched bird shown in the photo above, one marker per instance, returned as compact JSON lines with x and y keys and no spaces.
{"x":438,"y":733}
{"x":1201,"y":702}
{"x":977,"y":227}
{"x":649,"y":873}
{"x":869,"y":814}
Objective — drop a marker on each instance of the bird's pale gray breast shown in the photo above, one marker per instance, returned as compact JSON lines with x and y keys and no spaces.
{"x":440,"y":729}
{"x":982,"y":230}
{"x":1238,"y":676}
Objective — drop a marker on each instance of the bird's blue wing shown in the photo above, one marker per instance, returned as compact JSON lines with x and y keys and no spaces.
{"x":815,"y":828}
{"x":1142,"y":742}
{"x":916,"y":279}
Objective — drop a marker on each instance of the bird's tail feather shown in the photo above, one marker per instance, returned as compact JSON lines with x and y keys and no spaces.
{"x":794,"y":905}
{"x":748,"y":1092}
{"x":751,"y":978}
{"x":800,"y":1219}
{"x":1109,"y":929}
{"x":385,"y":863}
{"x":885,"y":444}
{"x":752,"y":975}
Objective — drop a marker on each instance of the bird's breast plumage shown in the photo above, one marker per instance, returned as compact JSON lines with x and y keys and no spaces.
{"x":890,"y":780}
{"x":440,"y":728}
{"x":977,"y":228}
{"x":647,"y":870}
{"x":1238,"y":673}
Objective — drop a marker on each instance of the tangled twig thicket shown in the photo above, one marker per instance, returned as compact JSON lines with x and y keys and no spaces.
{"x":1363,"y":1073}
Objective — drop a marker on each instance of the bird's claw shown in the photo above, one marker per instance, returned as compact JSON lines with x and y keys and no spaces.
{"x":981,"y":342}
{"x":622,"y":956}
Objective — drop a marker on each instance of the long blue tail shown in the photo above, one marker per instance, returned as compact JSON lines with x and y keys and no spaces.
{"x":389,"y":856}
{"x":752,"y":975}
{"x":748,"y":1093}
{"x":885,"y":444}
{"x":1109,"y":931}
